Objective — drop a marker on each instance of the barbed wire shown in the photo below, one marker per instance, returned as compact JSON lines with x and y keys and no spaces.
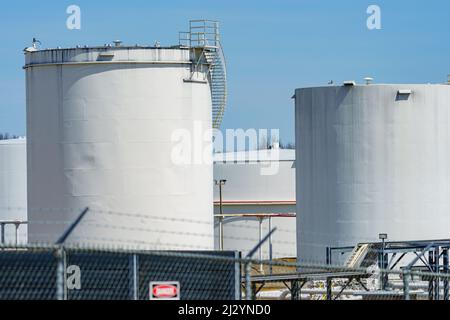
{"x":144,"y":216}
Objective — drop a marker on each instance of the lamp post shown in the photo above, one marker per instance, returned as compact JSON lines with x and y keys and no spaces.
{"x":382,"y":237}
{"x":220,"y":183}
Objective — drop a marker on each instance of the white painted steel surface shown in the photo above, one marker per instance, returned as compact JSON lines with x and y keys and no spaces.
{"x":13,"y":187}
{"x":99,"y":126}
{"x":247,"y":191}
{"x":371,"y":161}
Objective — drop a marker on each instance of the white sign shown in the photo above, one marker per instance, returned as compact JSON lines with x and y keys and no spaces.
{"x":165,"y":290}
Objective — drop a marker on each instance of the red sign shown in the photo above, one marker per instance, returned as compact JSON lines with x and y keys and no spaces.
{"x":164,"y":291}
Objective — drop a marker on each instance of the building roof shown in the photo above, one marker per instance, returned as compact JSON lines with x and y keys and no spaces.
{"x":13,"y":141}
{"x":256,"y":156}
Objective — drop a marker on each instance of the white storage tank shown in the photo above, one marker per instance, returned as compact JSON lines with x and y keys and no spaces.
{"x":371,"y":159}
{"x":259,"y":188}
{"x":99,"y":128}
{"x":13,"y":191}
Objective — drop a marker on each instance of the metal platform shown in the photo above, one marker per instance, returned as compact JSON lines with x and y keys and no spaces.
{"x":296,"y":281}
{"x":428,"y":255}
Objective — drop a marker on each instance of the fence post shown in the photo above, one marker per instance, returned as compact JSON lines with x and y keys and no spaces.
{"x":2,"y":230}
{"x":248,"y":281}
{"x":60,"y":273}
{"x":134,"y":277}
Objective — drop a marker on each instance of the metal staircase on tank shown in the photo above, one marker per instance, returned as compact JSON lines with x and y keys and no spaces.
{"x":363,"y":255}
{"x":203,"y":39}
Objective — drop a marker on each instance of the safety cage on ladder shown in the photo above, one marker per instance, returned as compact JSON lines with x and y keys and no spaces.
{"x":203,"y":40}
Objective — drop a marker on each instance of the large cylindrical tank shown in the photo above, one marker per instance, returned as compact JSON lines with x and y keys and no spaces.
{"x":100,"y":129}
{"x":371,"y":159}
{"x":259,"y":193}
{"x":13,"y":189}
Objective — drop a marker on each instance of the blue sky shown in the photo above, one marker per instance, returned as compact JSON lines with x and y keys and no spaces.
{"x":272,"y":46}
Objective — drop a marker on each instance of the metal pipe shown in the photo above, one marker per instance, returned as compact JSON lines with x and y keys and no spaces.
{"x":260,"y":248}
{"x":16,"y":235}
{"x":347,"y":292}
{"x":253,"y":215}
{"x":221,"y":233}
{"x":248,"y":281}
{"x":220,"y":183}
{"x":270,"y":246}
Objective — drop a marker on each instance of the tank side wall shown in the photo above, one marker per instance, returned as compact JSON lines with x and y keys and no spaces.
{"x":13,"y":188}
{"x":371,"y":162}
{"x":101,"y":136}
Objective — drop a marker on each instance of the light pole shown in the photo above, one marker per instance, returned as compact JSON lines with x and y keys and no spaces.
{"x":220,"y":183}
{"x":382,"y":237}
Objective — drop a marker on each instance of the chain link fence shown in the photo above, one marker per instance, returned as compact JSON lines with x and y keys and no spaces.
{"x":72,"y":273}
{"x":148,"y":270}
{"x":68,"y":273}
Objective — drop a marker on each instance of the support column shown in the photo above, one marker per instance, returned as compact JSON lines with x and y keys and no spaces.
{"x":445,"y":270}
{"x":248,"y":281}
{"x":431,"y":282}
{"x":329,"y":288}
{"x":385,"y":267}
{"x":295,"y":290}
{"x":261,"y":267}
{"x":221,"y":233}
{"x":16,"y":233}
{"x":328,"y":256}
{"x":437,"y":270}
{"x":270,"y":246}
{"x":406,"y":280}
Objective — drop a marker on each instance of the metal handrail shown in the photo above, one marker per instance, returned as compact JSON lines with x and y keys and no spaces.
{"x":16,"y":223}
{"x":204,"y":34}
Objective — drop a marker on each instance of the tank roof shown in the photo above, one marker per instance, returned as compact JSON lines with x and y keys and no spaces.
{"x":105,"y":47}
{"x":107,"y":54}
{"x":375,"y":85}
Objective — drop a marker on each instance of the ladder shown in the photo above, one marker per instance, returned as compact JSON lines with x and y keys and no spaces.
{"x":204,"y":42}
{"x":218,"y":84}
